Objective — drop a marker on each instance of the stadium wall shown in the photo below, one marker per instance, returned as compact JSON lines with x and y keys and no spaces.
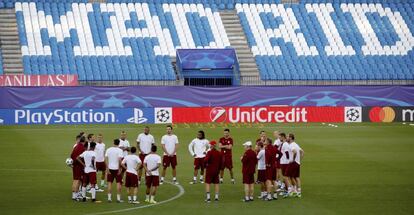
{"x":122,"y":105}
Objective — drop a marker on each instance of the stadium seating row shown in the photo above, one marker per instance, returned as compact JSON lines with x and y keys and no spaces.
{"x":137,"y":39}
{"x":296,"y":41}
{"x":330,"y":41}
{"x":1,"y":63}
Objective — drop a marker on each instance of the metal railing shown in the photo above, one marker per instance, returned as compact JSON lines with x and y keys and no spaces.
{"x":244,"y":81}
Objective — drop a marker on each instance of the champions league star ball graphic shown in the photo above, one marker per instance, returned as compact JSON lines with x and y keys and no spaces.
{"x":112,"y":100}
{"x":326,"y":98}
{"x":207,"y":60}
{"x":163,"y":115}
{"x":353,"y":115}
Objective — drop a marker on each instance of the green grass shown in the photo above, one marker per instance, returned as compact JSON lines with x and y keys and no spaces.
{"x":352,"y":169}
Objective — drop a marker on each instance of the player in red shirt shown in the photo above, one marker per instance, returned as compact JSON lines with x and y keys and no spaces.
{"x":226,"y":144}
{"x":213,"y":163}
{"x":249,"y":161}
{"x":270,"y":160}
{"x":77,"y":168}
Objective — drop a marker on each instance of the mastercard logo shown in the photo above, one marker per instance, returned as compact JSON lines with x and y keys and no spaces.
{"x":382,"y":114}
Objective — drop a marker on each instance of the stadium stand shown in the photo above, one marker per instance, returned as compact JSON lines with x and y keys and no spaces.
{"x":330,"y":41}
{"x":133,"y":40}
{"x":113,"y":41}
{"x":1,"y":64}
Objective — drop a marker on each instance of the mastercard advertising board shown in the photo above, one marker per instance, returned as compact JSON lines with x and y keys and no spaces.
{"x":388,"y":114}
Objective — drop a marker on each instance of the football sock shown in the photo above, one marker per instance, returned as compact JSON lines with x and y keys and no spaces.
{"x":83,"y":192}
{"x":195,"y":178}
{"x":247,"y":198}
{"x":147,"y":197}
{"x":201,"y":177}
{"x":152,"y":198}
{"x":93,"y":191}
{"x":174,"y":179}
{"x":162,"y":178}
{"x":73,"y":195}
{"x":216,"y":196}
{"x":299,"y":190}
{"x":118,"y":197}
{"x":129,"y":198}
{"x":135,"y":198}
{"x":269,"y":196}
{"x":102,"y":182}
{"x":251,"y":197}
{"x":109,"y":197}
{"x":208,"y":195}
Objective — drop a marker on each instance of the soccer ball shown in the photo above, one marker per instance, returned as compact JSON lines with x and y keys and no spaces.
{"x":69,"y":161}
{"x":163,"y":115}
{"x":352,"y":114}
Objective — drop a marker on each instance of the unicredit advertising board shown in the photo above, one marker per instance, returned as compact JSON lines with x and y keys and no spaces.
{"x":258,"y":114}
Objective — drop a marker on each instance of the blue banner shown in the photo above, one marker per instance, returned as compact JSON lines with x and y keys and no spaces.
{"x":77,"y":116}
{"x":192,"y":59}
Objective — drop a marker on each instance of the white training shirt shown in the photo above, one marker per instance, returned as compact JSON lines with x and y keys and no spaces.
{"x":114,"y":154}
{"x":100,"y":152}
{"x":277,"y":143}
{"x":261,"y":164}
{"x":145,"y":142}
{"x":169,"y":142}
{"x":152,"y":161}
{"x":131,"y":162}
{"x":284,"y":150}
{"x":89,"y":159}
{"x":124,"y":143}
{"x":198,"y":147}
{"x":295,"y":147}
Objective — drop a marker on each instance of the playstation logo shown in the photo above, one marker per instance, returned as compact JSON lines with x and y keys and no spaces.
{"x":138,"y":117}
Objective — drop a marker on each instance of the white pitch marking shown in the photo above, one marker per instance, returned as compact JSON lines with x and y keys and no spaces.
{"x":182,"y":191}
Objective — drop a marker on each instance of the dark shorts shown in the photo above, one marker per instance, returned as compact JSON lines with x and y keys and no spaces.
{"x":199,"y":163}
{"x":131,"y":180}
{"x":227,"y":162}
{"x":142,"y":157}
{"x":77,"y":172}
{"x":284,"y":168}
{"x":270,"y":173}
{"x":212,"y":177}
{"x":248,"y":178}
{"x":293,"y":170}
{"x":277,"y":164}
{"x":167,"y":161}
{"x":101,"y":166}
{"x":113,"y":174}
{"x":89,"y":178}
{"x":261,"y":176}
{"x":152,"y":181}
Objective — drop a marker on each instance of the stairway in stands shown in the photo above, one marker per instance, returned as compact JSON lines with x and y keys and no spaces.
{"x":237,"y":38}
{"x":9,"y":42}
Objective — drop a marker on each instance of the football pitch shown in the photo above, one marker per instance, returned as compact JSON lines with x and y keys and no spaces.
{"x":350,"y":169}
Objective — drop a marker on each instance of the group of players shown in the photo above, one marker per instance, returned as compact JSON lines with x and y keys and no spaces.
{"x":278,"y":164}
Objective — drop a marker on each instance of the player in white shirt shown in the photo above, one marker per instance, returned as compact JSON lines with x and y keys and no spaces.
{"x":114,"y":156}
{"x":124,"y":143}
{"x":261,"y":169}
{"x":284,"y":160}
{"x":89,"y":164}
{"x":152,"y":163}
{"x":90,"y":138}
{"x":131,"y":163}
{"x":169,"y":143}
{"x":100,"y":158}
{"x":144,"y":142}
{"x":198,"y":149}
{"x":296,"y":154}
